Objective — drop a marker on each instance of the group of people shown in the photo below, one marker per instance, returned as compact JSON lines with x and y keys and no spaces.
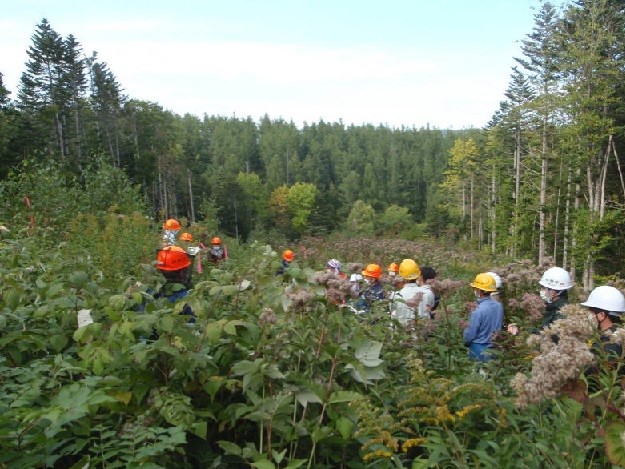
{"x":411,"y":297}
{"x":215,"y":254}
{"x":606,"y":305}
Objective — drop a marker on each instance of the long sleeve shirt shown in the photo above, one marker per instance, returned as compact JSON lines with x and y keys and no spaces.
{"x":485,"y":320}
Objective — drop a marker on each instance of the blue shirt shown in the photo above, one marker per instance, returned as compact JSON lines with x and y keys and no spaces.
{"x":485,"y":320}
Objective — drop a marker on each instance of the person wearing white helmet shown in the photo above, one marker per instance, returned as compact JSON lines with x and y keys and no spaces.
{"x":334,"y":266}
{"x":607,"y":306}
{"x":554,"y":286}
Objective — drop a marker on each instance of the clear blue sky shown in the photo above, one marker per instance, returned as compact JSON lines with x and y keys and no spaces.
{"x":400,"y":62}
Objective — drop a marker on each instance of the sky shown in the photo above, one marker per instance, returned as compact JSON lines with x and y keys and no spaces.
{"x":399,"y":63}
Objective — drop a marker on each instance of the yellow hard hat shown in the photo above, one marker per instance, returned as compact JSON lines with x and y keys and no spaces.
{"x":409,"y":269}
{"x":484,"y":282}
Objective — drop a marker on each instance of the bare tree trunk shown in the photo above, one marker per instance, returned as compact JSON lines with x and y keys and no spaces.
{"x":191,"y":197}
{"x":567,"y":217}
{"x":471,"y":206}
{"x":557,"y":218}
{"x":493,"y":210}
{"x":517,"y":189}
{"x":576,"y":205}
{"x":618,"y":166}
{"x":543,"y":196}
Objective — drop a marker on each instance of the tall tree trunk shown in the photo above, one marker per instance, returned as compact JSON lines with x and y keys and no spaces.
{"x":191,"y":197}
{"x":517,"y":190}
{"x":567,"y":218}
{"x":471,"y":210}
{"x":543,"y":195}
{"x":493,"y":209}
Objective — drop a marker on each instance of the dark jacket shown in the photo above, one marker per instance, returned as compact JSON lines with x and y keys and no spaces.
{"x":552,"y":310}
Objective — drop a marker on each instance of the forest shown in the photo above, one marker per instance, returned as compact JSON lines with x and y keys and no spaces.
{"x":272,"y":374}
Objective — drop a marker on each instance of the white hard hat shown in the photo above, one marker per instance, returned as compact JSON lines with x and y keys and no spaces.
{"x":497,"y":279}
{"x":556,"y":278}
{"x":606,"y":298}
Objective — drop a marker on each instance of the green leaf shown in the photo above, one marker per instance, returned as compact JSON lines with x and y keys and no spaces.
{"x":244,"y":367}
{"x":345,"y":427}
{"x":295,"y":463}
{"x":199,"y":429}
{"x":306,"y":396}
{"x":78,"y":279}
{"x":264,"y":464}
{"x":614,"y":443}
{"x":278,"y":456}
{"x":167,"y":323}
{"x":343,"y":396}
{"x":230,"y":326}
{"x":58,"y":341}
{"x":213,"y":331}
{"x":212,"y":385}
{"x":230,"y":448}
{"x":368,"y":353}
{"x":122,"y":396}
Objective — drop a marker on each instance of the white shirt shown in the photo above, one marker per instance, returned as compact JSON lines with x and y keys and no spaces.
{"x":404,"y":313}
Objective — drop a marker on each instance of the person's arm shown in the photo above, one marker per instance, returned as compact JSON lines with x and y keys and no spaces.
{"x":470,"y":333}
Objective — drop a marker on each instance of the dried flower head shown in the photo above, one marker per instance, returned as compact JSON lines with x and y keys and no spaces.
{"x":559,"y":361}
{"x":267,"y":317}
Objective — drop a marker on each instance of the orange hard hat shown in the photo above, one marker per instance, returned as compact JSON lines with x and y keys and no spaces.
{"x":288,"y":255}
{"x":393,"y":267}
{"x":372,"y":270}
{"x":171,"y":224}
{"x":172,"y":258}
{"x":216,"y":240}
{"x":186,"y":237}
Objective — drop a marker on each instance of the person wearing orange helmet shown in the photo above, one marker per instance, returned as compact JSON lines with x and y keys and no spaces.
{"x":217,"y":252}
{"x":287,"y":258}
{"x":373,"y":290}
{"x":174,"y":263}
{"x":171,"y":228}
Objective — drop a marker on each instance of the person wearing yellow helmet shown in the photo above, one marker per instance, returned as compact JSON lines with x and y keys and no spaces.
{"x":485,"y":319}
{"x":409,"y":271}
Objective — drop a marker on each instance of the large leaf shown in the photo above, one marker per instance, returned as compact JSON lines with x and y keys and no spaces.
{"x":614,"y":443}
{"x":343,"y":396}
{"x":230,"y":448}
{"x":264,"y":464}
{"x":368,"y":353}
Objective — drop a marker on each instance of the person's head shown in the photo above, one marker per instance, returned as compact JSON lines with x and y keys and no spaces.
{"x":483,"y":285}
{"x":607,"y":304}
{"x":288,"y":256}
{"x":372,"y":273}
{"x":427,"y":273}
{"x":173,"y":262}
{"x":187,"y":237}
{"x":216,"y":241}
{"x":554,"y":283}
{"x":409,"y":270}
{"x":171,"y":225}
{"x":498,"y":282}
{"x":334,"y":265}
{"x":393,"y":269}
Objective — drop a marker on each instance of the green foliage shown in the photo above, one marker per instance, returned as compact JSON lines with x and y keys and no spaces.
{"x":361,"y":219}
{"x":300,"y":201}
{"x":394,"y":220}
